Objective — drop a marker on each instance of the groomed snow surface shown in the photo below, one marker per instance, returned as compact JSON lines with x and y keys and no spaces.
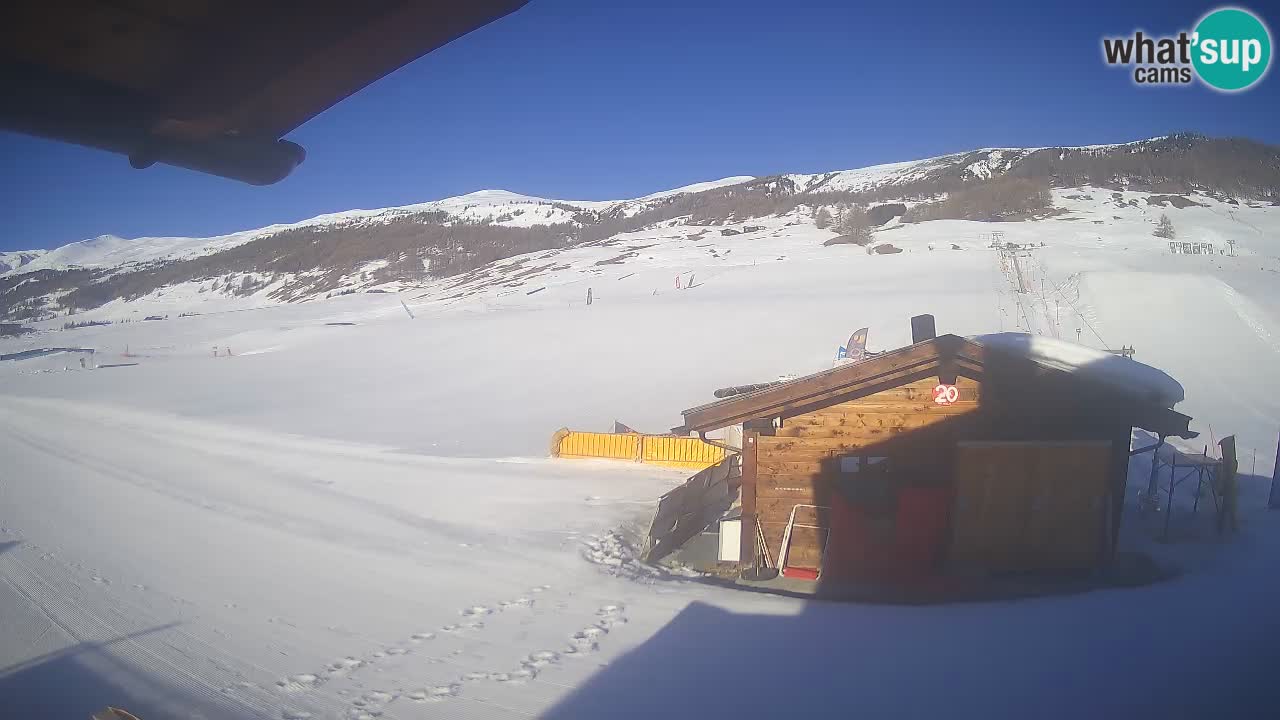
{"x":353,"y":515}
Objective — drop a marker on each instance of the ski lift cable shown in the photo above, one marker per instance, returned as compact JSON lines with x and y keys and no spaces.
{"x":1057,"y":289}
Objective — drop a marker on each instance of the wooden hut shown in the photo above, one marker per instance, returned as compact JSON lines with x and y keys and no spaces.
{"x":945,"y":454}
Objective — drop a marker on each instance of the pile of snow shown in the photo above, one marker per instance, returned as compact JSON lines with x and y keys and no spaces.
{"x":1123,"y":374}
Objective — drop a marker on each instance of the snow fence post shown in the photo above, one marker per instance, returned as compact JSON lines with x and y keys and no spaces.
{"x":1273,"y":502}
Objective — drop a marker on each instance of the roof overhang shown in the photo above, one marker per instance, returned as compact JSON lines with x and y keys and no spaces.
{"x":207,"y":85}
{"x":946,"y":356}
{"x":838,"y":384}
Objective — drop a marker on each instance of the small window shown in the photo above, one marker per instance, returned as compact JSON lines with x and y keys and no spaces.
{"x":856,"y":463}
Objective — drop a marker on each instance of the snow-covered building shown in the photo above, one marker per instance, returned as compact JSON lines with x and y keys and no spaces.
{"x":943,"y":462}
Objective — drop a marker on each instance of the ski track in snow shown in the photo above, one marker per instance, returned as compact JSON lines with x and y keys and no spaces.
{"x":1250,"y":315}
{"x":147,"y":629}
{"x":54,"y":592}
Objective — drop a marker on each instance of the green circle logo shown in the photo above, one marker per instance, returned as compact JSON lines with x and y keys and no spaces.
{"x":1232,"y":49}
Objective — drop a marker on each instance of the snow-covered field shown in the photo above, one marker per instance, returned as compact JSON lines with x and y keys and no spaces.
{"x":354,"y":514}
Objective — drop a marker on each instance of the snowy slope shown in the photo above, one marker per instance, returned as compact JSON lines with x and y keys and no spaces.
{"x":353,"y":516}
{"x":499,"y":207}
{"x":1100,"y":264}
{"x":870,"y":177}
{"x":502,"y":207}
{"x":699,"y":187}
{"x":11,"y":259}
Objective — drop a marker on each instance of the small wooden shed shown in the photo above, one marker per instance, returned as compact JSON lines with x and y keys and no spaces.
{"x":948,"y":453}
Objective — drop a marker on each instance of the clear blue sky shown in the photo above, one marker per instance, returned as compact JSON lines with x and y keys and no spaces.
{"x":580,"y":99}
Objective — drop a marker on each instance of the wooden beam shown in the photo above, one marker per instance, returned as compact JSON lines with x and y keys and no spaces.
{"x":781,"y":446}
{"x":1117,"y":485}
{"x":797,"y":489}
{"x":872,"y":405}
{"x":865,"y":377}
{"x":778,"y":510}
{"x":877,"y":385}
{"x":862,"y":428}
{"x":784,"y":468}
{"x":747,"y":543}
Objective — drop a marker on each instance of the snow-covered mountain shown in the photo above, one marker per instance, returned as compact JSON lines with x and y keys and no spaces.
{"x":348,"y":421}
{"x":496,"y":207}
{"x":508,"y":209}
{"x":362,"y":249}
{"x":14,"y":259}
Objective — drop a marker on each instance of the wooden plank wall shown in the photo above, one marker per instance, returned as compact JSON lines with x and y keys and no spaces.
{"x":1024,"y":506}
{"x":799,"y":463}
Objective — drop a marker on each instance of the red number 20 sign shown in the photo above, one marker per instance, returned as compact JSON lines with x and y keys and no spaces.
{"x":946,"y":394}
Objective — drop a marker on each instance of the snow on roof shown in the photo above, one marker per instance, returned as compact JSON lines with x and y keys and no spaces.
{"x":1123,"y":374}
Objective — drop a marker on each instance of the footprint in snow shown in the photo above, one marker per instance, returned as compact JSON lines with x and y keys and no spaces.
{"x":344,"y":665}
{"x":610,"y":615}
{"x":588,"y":635}
{"x":517,"y":603}
{"x":100,"y":580}
{"x":476,"y":676}
{"x":519,"y":677}
{"x":419,"y":637}
{"x":397,"y":651}
{"x":435,"y":694}
{"x":298,"y":683}
{"x":288,"y":714}
{"x":475,"y":611}
{"x":369,"y":705}
{"x":539,"y":588}
{"x":541,"y":659}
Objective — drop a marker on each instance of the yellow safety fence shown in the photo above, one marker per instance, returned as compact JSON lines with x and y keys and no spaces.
{"x":666,"y":450}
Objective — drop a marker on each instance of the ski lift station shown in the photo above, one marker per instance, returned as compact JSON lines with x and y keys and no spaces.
{"x":930,"y":471}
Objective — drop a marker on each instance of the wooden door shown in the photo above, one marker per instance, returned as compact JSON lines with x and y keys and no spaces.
{"x":1066,"y":520}
{"x":1024,"y":506}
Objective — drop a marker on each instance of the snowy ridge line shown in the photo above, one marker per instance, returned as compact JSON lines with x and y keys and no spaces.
{"x":504,"y":207}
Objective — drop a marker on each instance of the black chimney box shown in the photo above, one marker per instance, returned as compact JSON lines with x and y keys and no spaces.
{"x":922,"y":329}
